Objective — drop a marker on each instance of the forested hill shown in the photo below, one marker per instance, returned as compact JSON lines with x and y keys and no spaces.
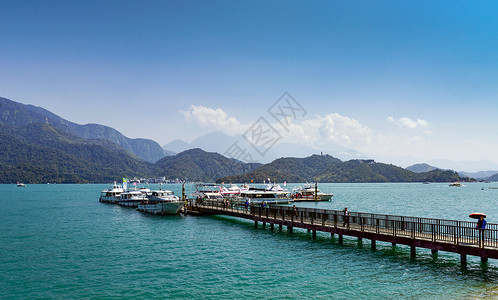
{"x":18,"y":115}
{"x":329,"y":169}
{"x":40,"y":153}
{"x":199,"y":165}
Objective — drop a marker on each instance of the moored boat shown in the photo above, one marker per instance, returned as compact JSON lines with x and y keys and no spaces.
{"x":112,"y":194}
{"x":132,"y":198}
{"x":207,"y":191}
{"x":161,"y":202}
{"x":20,"y":184}
{"x":307,"y":193}
{"x":271,"y":194}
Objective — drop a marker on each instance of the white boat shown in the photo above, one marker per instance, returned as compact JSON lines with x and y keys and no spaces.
{"x":132,"y":198}
{"x":270,"y":195}
{"x":207,"y":191}
{"x":308,"y":192}
{"x":20,"y":184}
{"x":233,"y":190}
{"x":458,"y":183}
{"x":112,"y":194}
{"x":161,"y":202}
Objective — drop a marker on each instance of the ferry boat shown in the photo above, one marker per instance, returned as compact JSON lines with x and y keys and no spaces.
{"x":233,"y":190}
{"x":308,"y":193}
{"x":132,"y":198}
{"x":112,"y":194}
{"x":272,"y":194}
{"x":161,"y":202}
{"x":207,"y":191}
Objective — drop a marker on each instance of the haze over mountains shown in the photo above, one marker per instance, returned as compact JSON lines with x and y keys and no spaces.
{"x":39,"y":146}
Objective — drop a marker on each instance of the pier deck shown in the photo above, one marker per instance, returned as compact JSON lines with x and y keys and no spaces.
{"x":436,"y":234}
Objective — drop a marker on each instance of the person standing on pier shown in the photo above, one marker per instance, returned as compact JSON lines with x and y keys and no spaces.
{"x":481,"y":223}
{"x":346,"y":216}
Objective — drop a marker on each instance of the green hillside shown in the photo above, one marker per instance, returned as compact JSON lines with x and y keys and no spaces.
{"x":39,"y":153}
{"x":329,"y":169}
{"x":18,"y":115}
{"x":198,"y":165}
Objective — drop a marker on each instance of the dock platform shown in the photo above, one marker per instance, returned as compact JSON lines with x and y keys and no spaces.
{"x":460,"y":237}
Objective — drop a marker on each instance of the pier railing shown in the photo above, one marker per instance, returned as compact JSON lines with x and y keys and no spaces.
{"x":434,"y":230}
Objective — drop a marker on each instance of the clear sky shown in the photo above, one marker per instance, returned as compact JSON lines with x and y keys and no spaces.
{"x":404,"y":81}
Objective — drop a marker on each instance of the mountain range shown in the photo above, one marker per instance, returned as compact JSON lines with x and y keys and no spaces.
{"x":220,"y":142}
{"x":17,"y":115}
{"x":325,"y":168}
{"x":38,"y":146}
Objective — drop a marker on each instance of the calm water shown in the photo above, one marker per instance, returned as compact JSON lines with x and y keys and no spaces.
{"x":58,"y":241}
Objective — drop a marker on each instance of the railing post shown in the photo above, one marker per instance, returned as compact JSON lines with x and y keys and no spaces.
{"x":433,"y":230}
{"x":377,"y":225}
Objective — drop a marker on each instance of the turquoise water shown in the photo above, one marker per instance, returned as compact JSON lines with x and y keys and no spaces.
{"x":58,"y":241}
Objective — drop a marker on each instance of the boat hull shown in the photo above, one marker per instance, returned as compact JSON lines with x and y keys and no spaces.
{"x":164,"y":208}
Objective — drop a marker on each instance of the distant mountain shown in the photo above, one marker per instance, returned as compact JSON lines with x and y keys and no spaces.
{"x":198,"y":165}
{"x":17,"y":115}
{"x":39,"y":153}
{"x":317,"y":168}
{"x":493,"y":177}
{"x":421,"y":168}
{"x":220,"y":142}
{"x":467,"y":166}
{"x":177,"y":146}
{"x":478,"y":175}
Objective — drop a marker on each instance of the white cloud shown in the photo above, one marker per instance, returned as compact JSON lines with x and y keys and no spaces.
{"x":216,"y":118}
{"x":408,"y":123}
{"x":321,"y":132}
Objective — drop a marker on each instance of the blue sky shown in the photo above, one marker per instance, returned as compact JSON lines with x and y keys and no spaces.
{"x":143,"y":66}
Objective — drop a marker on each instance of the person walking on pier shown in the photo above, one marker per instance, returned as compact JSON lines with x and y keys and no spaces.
{"x":346,"y":216}
{"x":481,"y":223}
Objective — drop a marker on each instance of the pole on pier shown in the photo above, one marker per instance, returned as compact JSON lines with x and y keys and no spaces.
{"x":264,"y":224}
{"x":280,"y":227}
{"x":484,"y":259}
{"x":314,"y":234}
{"x":463,"y":260}
{"x":255,"y":224}
{"x":340,"y":238}
{"x":412,"y":251}
{"x":271,"y":226}
{"x":434,"y":252}
{"x":183,"y":191}
{"x":374,"y":245}
{"x":290,"y":229}
{"x":316,"y":191}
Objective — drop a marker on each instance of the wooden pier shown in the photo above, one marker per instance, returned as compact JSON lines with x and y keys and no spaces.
{"x":460,"y":237}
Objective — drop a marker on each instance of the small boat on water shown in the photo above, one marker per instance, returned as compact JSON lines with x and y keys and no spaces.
{"x":161,"y":202}
{"x":112,"y":194}
{"x":458,"y":183}
{"x":307,"y":193}
{"x":20,"y":184}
